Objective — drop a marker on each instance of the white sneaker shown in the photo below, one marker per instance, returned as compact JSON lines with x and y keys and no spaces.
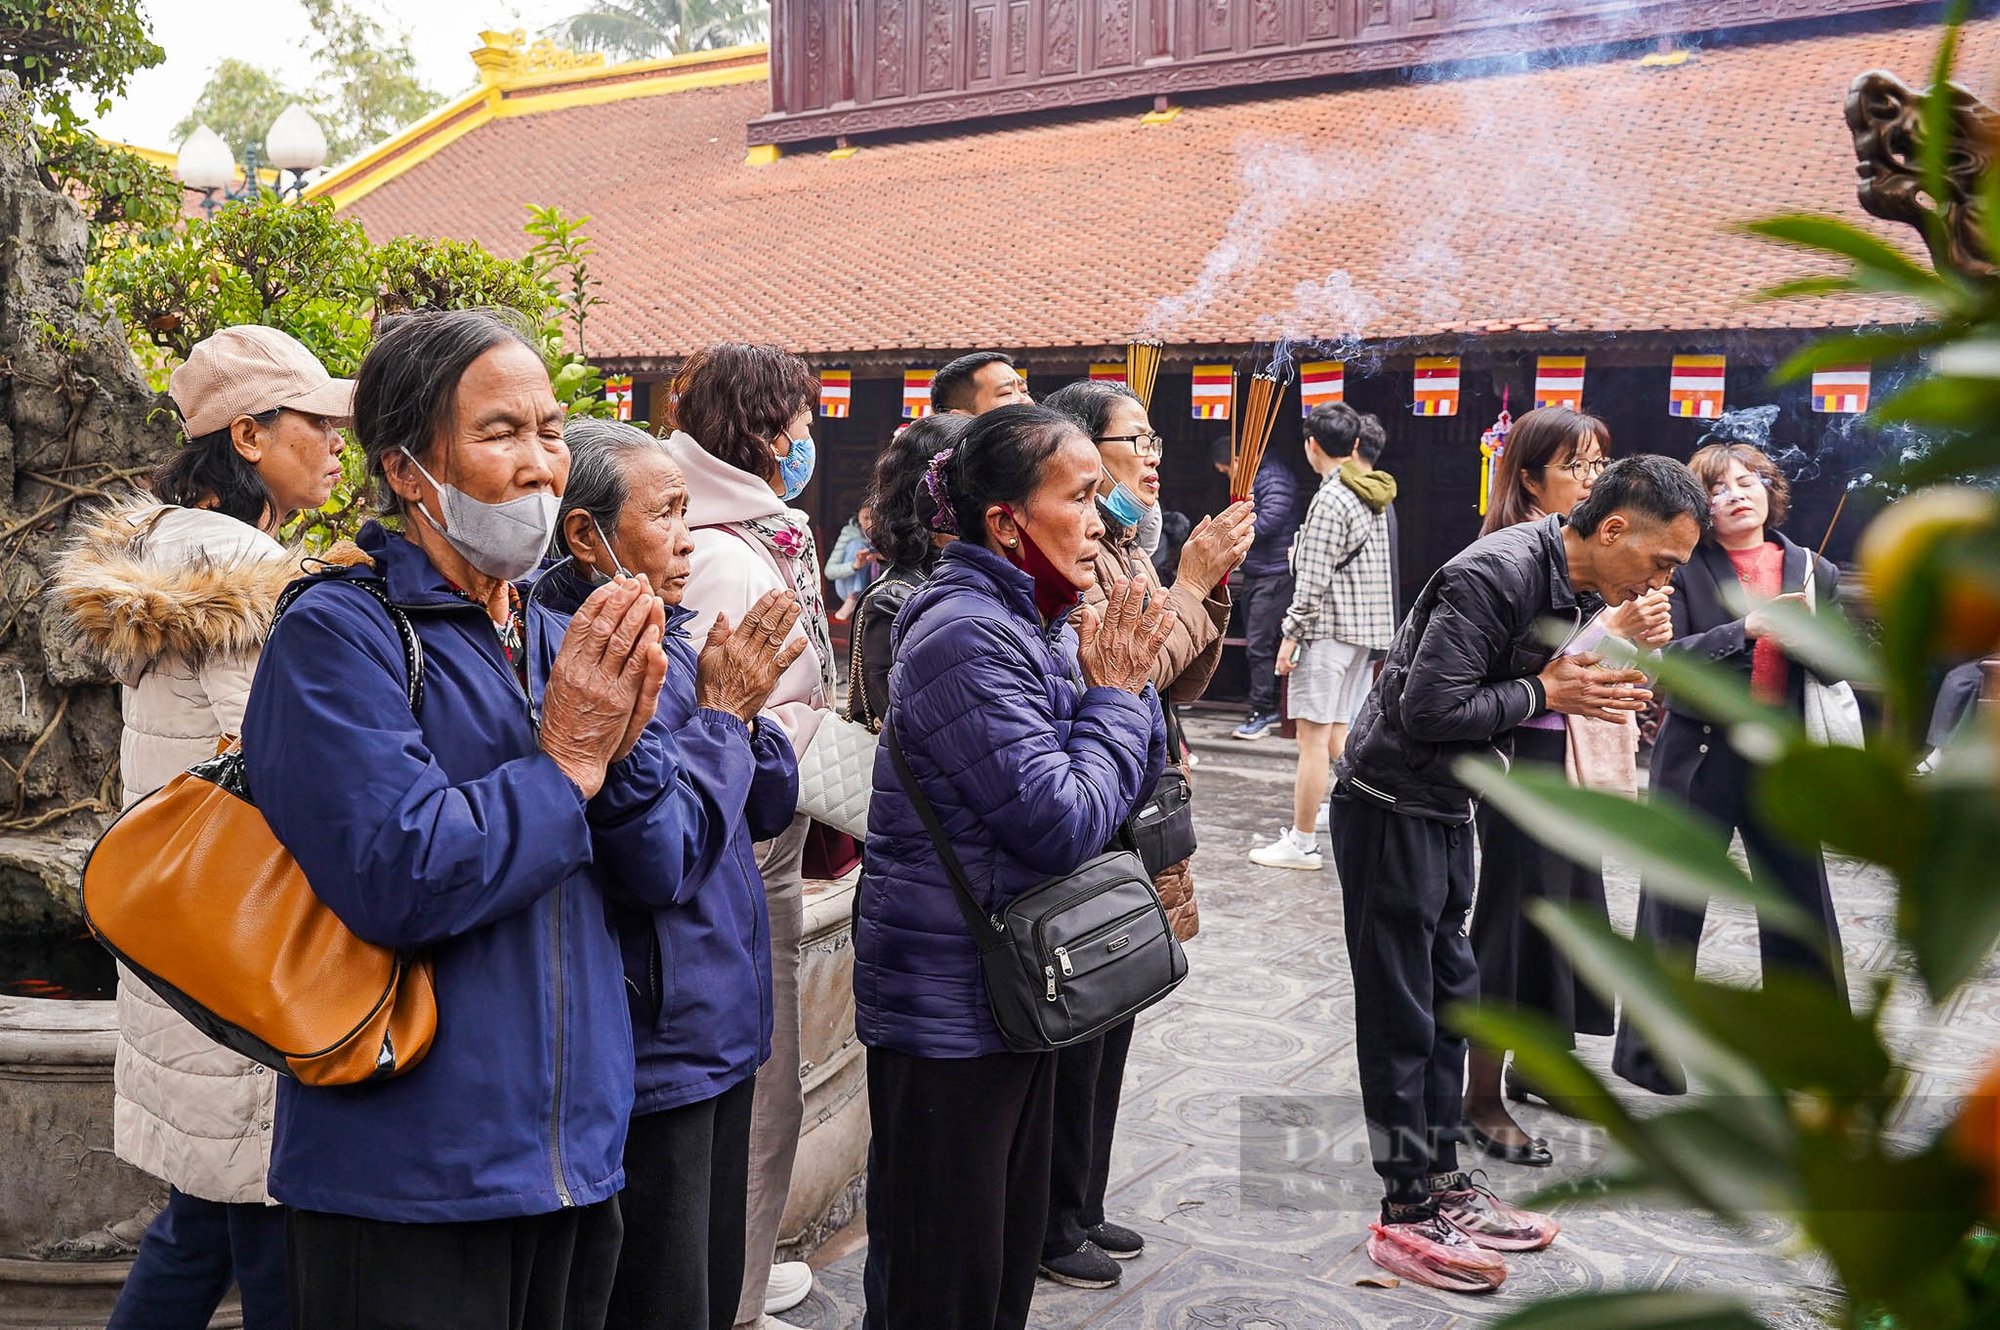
{"x":791,"y":1284}
{"x":1321,"y":818}
{"x":773,"y":1323}
{"x":1286,"y":852}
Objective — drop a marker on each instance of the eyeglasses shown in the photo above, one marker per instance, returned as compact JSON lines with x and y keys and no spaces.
{"x":1145,"y":445}
{"x":1582,"y":470}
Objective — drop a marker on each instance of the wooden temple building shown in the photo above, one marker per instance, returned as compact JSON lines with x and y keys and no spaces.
{"x":1502,"y":186}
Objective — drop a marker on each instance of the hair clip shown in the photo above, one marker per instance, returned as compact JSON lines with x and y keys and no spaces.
{"x":943,"y":520}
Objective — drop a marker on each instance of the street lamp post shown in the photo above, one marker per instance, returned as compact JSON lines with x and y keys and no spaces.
{"x":294,"y":144}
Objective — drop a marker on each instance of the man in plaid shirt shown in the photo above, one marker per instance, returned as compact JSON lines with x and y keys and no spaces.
{"x":1343,"y":610}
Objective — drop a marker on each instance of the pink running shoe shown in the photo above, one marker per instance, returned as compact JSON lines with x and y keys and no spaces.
{"x":1414,"y":1243}
{"x":1486,"y":1219}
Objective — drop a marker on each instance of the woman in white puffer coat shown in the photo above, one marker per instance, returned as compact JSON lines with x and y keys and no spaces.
{"x":175,"y":591}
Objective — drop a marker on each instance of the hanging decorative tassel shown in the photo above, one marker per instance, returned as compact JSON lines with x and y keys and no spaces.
{"x":1492,"y":446}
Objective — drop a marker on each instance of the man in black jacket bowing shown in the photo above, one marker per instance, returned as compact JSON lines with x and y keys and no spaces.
{"x":1466,"y":667}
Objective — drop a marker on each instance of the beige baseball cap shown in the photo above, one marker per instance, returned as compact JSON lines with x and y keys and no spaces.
{"x":250,"y":369}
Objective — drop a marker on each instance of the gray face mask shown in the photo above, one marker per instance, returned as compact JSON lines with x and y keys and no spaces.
{"x":503,"y":540}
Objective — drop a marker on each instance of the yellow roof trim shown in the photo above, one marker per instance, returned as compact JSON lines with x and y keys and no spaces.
{"x":596,"y":92}
{"x":393,"y":156}
{"x":529,"y":94}
{"x":672,"y":64}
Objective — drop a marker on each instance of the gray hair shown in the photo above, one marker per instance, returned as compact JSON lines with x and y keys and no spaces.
{"x":406,"y":392}
{"x":598,"y":453}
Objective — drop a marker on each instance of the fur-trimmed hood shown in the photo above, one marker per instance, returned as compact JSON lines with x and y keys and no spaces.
{"x":143,"y":580}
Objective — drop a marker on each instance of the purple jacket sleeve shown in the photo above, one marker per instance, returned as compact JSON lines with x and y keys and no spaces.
{"x":774,"y":788}
{"x":655,"y":827}
{"x":980,"y":713}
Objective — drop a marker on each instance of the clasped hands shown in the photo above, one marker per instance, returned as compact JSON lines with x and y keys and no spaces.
{"x":1118,"y":645}
{"x":605,"y":683}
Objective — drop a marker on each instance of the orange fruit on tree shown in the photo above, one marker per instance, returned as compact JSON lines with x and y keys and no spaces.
{"x":1975,"y":1135}
{"x":1897,"y":548}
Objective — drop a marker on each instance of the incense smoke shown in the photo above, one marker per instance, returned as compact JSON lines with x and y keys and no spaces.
{"x":1519,"y":185}
{"x":1279,"y":181}
{"x":1859,"y":451}
{"x":1750,"y":424}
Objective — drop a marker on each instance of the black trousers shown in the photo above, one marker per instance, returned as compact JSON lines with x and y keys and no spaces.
{"x":1406,"y":888}
{"x":541,"y":1272}
{"x":1519,"y":967}
{"x":1089,"y":1079}
{"x":687,"y":1186}
{"x":958,"y":1187}
{"x":1261,"y":601}
{"x":1723,"y":793}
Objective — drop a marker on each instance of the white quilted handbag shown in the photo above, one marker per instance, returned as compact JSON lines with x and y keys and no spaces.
{"x":837,"y":775}
{"x":1832,"y":714}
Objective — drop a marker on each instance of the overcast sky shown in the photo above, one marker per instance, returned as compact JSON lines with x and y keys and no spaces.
{"x":198,"y":33}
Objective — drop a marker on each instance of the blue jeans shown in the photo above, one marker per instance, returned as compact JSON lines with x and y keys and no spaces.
{"x":193,"y":1250}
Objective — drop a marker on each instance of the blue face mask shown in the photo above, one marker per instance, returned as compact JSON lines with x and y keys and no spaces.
{"x":796,"y":467}
{"x":1122,"y":505}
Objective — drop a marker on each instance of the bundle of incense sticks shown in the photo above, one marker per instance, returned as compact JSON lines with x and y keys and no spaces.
{"x":1246,"y":445}
{"x":1142,"y":367}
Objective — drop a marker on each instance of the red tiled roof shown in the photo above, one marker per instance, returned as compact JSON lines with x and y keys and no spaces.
{"x":1587,"y":198}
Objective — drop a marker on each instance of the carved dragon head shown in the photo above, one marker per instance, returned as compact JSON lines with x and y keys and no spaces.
{"x":1885,"y":116}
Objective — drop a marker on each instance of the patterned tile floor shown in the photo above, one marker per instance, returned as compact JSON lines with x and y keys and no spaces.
{"x":1258,"y":1043}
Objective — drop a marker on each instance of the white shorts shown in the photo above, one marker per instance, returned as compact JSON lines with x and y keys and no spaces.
{"x":1329,"y":682}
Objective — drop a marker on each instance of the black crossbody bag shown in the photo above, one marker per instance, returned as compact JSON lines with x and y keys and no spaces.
{"x":1071,"y":957}
{"x":1163,"y":823}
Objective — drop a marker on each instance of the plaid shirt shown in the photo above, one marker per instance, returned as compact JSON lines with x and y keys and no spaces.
{"x":1354,"y":603}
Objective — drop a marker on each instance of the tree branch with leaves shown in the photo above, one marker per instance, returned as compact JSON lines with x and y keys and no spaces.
{"x":645,"y":29}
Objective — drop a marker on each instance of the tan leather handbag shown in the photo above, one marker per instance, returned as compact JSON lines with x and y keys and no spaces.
{"x":193,"y":893}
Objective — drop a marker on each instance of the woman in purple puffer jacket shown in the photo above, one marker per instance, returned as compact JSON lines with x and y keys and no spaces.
{"x":1033,"y":745}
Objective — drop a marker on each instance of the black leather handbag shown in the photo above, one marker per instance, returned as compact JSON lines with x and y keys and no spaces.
{"x":1163,"y":825}
{"x":1069,"y":958}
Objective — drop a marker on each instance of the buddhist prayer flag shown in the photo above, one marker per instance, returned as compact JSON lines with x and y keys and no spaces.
{"x":1436,"y":386}
{"x":1321,"y":382}
{"x":1840,"y":389}
{"x":1108,"y":373}
{"x":1559,"y":381}
{"x":618,"y":392}
{"x":836,"y":393}
{"x":917,"y":393}
{"x":1694,"y":387}
{"x":1213,"y":392}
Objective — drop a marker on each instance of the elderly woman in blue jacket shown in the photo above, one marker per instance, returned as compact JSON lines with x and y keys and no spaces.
{"x":1033,"y":745}
{"x":490,"y":830}
{"x":697,"y":972}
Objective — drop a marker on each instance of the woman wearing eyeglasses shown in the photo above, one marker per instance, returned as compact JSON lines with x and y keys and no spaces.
{"x":1743,"y":561}
{"x":1082,"y":1249}
{"x":1553,"y":457}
